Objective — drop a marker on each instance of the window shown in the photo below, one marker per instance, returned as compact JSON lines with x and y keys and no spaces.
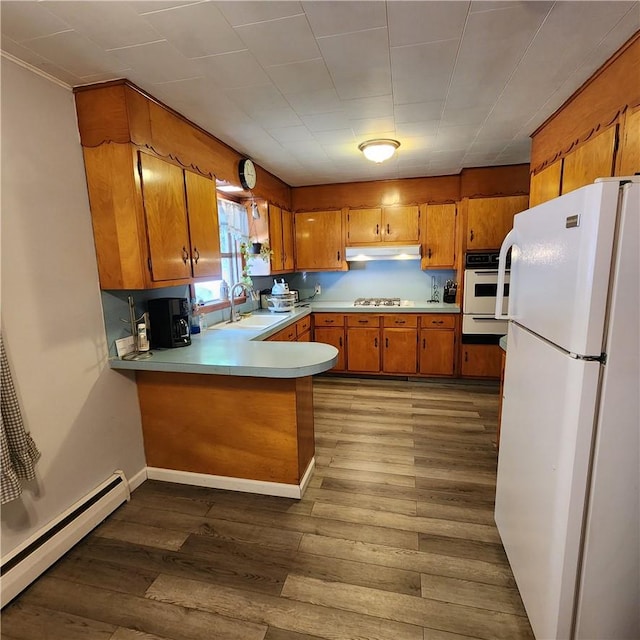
{"x":234,"y":230}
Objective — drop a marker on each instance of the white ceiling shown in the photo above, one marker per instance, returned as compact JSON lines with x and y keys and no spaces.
{"x":297,"y":85}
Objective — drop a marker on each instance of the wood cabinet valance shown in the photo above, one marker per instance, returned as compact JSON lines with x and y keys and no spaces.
{"x":121,"y":112}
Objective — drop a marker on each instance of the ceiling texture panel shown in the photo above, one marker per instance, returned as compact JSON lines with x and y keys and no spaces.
{"x":298,"y":85}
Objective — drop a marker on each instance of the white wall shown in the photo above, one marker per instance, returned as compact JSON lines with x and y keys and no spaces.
{"x":83,"y":416}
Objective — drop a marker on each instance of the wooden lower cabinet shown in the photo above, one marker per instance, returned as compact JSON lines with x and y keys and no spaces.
{"x":437,"y":352}
{"x":363,"y":349}
{"x":390,"y":343}
{"x":400,"y":350}
{"x":481,"y":361}
{"x":336,"y":338}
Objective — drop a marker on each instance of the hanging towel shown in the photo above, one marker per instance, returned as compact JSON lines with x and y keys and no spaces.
{"x":19,"y":452}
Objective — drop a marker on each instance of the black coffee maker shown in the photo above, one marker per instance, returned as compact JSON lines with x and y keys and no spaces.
{"x":169,"y":323}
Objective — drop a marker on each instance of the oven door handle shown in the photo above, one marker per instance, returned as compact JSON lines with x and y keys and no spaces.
{"x":509,"y":241}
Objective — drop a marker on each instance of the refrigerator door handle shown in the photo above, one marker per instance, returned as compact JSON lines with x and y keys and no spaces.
{"x":509,"y":241}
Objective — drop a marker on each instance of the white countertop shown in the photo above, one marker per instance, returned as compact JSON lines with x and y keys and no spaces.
{"x":244,"y":352}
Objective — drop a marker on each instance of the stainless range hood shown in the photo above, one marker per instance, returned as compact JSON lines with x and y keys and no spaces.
{"x":383,"y":252}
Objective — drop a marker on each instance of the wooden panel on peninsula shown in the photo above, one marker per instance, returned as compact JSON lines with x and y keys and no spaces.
{"x":251,"y":428}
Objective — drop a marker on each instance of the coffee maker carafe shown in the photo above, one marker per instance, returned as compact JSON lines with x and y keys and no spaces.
{"x":169,"y":320}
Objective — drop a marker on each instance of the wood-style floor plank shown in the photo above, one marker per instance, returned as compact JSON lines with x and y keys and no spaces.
{"x":393,"y":540}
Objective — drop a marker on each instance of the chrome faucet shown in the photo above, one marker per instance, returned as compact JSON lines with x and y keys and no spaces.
{"x":235,"y":316}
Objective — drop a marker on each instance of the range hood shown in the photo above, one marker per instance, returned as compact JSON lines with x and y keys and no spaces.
{"x":383,"y":252}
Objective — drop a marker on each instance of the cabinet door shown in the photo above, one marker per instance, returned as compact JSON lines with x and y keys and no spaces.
{"x":166,"y":216}
{"x":401,"y":224}
{"x":202,"y":208}
{"x":363,"y":350}
{"x":319,"y":244}
{"x":437,"y":352}
{"x":364,"y":226}
{"x":335,"y":337}
{"x":288,"y":244}
{"x":545,"y":185}
{"x":593,"y":159}
{"x":490,"y":219}
{"x":400,"y":350}
{"x":275,"y":239}
{"x":481,"y":360}
{"x":439,"y":236}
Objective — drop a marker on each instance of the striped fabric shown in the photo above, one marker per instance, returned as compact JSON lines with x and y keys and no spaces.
{"x":18,"y":451}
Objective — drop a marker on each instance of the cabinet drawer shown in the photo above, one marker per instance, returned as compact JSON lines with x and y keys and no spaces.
{"x":404,"y":320}
{"x":363,"y":320}
{"x":438,"y":321}
{"x":328,"y":319}
{"x":303,"y":325}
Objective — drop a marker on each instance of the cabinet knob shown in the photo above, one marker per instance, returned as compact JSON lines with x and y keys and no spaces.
{"x":185,"y":255}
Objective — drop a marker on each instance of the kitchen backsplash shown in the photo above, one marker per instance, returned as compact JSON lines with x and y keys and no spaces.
{"x":384,"y":279}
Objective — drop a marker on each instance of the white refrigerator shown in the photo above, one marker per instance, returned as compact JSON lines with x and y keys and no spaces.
{"x":568,"y":497}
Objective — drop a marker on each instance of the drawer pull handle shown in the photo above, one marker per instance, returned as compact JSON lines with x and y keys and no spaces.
{"x":386,"y":342}
{"x":377,"y":229}
{"x":429,"y":254}
{"x":471,"y":236}
{"x":424,"y":343}
{"x":340,"y":340}
{"x":185,"y":255}
{"x":388,"y":229}
{"x":375,"y":342}
{"x":401,"y":322}
{"x":197,"y":254}
{"x":363,"y":321}
{"x":437,"y":322}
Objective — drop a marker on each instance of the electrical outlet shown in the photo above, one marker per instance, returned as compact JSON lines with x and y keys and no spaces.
{"x":318,"y":290}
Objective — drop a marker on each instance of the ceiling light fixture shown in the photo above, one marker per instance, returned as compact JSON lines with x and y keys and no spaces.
{"x":378,"y":150}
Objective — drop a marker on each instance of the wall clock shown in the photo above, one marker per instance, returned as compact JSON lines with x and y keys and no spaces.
{"x":247,"y":173}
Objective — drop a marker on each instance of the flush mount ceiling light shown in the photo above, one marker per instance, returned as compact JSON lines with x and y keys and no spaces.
{"x":378,"y":150}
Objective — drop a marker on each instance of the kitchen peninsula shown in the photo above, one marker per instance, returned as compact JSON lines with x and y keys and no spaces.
{"x":231,"y":411}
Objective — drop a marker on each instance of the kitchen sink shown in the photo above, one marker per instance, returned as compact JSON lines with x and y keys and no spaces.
{"x":250,"y":322}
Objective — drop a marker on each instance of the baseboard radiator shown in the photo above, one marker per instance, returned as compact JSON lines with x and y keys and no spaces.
{"x":34,"y":556}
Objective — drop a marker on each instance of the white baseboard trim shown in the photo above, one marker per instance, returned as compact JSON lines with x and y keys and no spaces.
{"x":138,"y":479}
{"x":35,"y":555}
{"x":233,"y":484}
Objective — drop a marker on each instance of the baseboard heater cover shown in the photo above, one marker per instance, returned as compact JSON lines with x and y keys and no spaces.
{"x":34,"y":556}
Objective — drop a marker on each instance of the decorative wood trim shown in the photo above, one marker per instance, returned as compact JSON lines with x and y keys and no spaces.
{"x":119,"y":111}
{"x":601,"y":102}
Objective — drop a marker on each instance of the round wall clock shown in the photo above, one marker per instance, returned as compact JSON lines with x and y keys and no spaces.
{"x":247,"y":173}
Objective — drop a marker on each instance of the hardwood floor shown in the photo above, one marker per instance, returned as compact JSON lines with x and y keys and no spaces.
{"x":393,"y":540}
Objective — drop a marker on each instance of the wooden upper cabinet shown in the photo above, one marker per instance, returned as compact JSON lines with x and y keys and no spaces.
{"x":545,"y":185}
{"x":629,"y":163}
{"x":318,"y":241}
{"x":281,"y":240}
{"x":439,"y":236}
{"x":204,"y":234}
{"x":401,"y":224}
{"x":275,"y":238}
{"x":387,"y":224}
{"x":153,"y":223}
{"x":593,"y":159}
{"x":490,"y":219}
{"x":288,"y":242}
{"x":364,"y":226}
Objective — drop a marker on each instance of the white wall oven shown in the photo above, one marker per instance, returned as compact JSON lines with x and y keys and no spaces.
{"x":479,"y":325}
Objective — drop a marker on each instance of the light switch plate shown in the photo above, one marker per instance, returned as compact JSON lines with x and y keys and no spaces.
{"x":124,"y":346}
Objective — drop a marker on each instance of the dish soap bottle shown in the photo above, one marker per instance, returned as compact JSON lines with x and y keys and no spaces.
{"x":224,"y":290}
